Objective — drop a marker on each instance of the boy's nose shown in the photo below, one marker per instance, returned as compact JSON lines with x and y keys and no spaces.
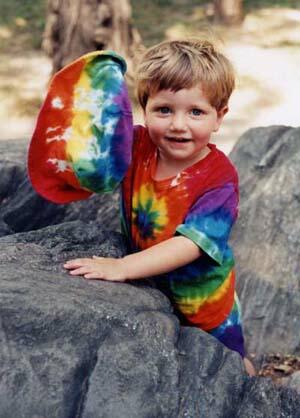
{"x":178,"y":122}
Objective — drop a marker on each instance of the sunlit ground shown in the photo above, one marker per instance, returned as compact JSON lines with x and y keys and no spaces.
{"x":265,"y":52}
{"x":23,"y":81}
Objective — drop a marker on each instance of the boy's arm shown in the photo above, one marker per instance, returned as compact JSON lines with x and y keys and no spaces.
{"x":161,"y":258}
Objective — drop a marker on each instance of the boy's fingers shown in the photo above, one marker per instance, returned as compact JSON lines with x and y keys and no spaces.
{"x":68,"y":266}
{"x":93,"y":276}
{"x":76,"y":262}
{"x":80,"y":271}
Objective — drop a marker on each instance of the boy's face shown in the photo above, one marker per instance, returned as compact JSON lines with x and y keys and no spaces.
{"x":180,"y":124}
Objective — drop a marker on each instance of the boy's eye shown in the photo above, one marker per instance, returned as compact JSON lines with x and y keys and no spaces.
{"x":164,"y":110}
{"x":196,"y":112}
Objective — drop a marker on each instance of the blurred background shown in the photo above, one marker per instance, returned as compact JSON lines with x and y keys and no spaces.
{"x":261,"y":37}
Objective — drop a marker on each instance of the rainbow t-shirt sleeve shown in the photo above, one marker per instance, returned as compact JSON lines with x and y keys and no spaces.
{"x":83,"y":137}
{"x":210,"y":220}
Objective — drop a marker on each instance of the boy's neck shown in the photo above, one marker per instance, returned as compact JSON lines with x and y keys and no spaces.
{"x":166,"y":169}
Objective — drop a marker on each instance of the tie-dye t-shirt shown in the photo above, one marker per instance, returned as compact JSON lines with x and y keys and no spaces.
{"x":199,"y":203}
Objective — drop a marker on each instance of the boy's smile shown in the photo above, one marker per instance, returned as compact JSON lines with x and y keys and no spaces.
{"x":180,"y":124}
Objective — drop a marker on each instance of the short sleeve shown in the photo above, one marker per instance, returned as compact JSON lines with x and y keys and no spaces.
{"x":210,"y":219}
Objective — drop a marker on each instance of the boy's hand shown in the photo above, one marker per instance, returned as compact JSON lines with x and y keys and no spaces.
{"x":156,"y":260}
{"x":111,"y":269}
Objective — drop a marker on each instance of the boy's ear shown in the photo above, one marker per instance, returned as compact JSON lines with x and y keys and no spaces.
{"x":220,"y":115}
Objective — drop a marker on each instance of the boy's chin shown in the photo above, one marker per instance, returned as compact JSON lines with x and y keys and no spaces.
{"x":188,"y":158}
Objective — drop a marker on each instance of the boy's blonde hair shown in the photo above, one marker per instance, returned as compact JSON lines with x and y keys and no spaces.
{"x":183,"y":64}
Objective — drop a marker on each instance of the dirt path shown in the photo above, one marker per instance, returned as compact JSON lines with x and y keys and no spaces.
{"x":265,"y":52}
{"x":23,"y":80}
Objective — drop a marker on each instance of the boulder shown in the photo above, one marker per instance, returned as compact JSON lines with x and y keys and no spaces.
{"x":23,"y":210}
{"x":72,"y":347}
{"x":293,"y":381}
{"x":13,"y":167}
{"x":266,"y":238}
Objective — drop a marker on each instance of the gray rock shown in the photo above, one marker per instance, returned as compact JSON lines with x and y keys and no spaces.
{"x":12,"y":165}
{"x":293,"y":382}
{"x":23,"y":210}
{"x":262,"y":399}
{"x":267,"y":236}
{"x":77,"y":348}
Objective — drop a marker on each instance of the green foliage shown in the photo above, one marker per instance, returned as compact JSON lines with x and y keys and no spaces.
{"x":259,"y":4}
{"x":24,"y":19}
{"x":162,"y":3}
{"x":153,"y":18}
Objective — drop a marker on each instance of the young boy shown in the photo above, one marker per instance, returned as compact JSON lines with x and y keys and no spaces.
{"x":180,"y":194}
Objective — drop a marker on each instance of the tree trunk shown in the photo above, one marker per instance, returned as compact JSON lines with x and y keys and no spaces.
{"x":229,"y":12}
{"x":75,"y":27}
